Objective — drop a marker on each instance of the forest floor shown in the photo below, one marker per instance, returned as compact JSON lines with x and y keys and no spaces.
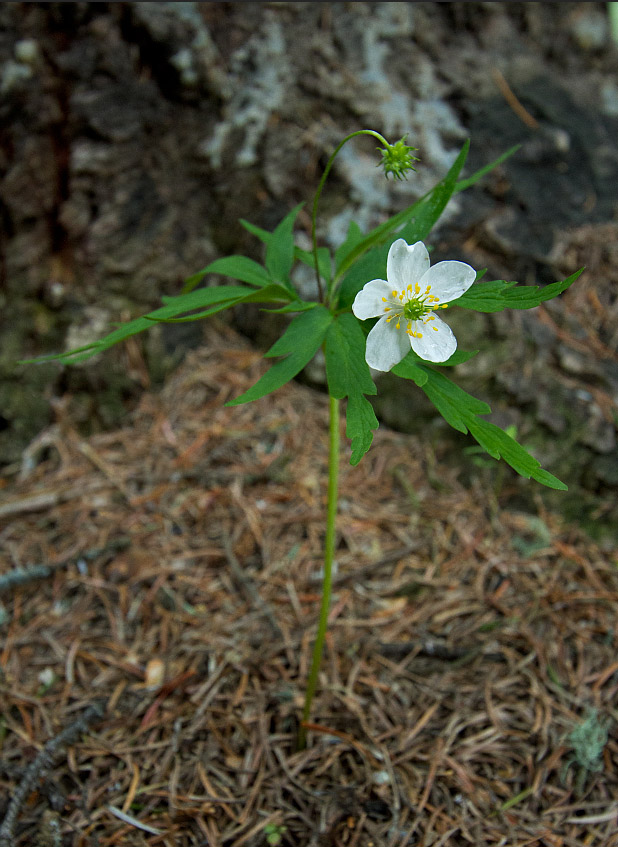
{"x":160,"y":592}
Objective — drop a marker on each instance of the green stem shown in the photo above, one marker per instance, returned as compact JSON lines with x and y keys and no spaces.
{"x":329,"y":555}
{"x":612,"y":9}
{"x":316,"y":199}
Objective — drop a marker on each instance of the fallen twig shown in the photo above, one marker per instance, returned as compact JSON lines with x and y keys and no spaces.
{"x":41,"y":764}
{"x":20,"y":576}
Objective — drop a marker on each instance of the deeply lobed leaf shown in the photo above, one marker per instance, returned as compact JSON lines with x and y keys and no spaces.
{"x":217,"y":298}
{"x":298,"y":344}
{"x":497,"y":295}
{"x":349,"y":376}
{"x":461,"y":411}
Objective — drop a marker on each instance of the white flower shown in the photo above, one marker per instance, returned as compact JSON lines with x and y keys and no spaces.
{"x":406,"y":305}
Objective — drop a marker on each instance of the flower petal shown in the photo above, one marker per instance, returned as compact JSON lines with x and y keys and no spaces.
{"x":386,"y":345}
{"x":437,"y":343}
{"x":406,"y":264}
{"x":448,"y":280}
{"x":368,"y":302}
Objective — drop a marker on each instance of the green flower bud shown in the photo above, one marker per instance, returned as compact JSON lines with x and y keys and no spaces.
{"x":397,"y":159}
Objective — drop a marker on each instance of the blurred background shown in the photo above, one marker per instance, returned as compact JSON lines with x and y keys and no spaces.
{"x":136,"y":134}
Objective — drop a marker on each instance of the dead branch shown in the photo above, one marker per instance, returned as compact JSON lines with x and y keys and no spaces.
{"x":42,"y":763}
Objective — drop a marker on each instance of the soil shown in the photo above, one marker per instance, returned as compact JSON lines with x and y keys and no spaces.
{"x":165,"y":610}
{"x":160,"y":554}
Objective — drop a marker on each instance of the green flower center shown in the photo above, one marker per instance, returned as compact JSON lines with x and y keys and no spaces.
{"x":411,"y":305}
{"x":415,"y":308}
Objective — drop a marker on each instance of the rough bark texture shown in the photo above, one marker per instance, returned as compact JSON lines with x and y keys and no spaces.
{"x":135,"y":135}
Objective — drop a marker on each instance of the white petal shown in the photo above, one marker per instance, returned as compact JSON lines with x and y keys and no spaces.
{"x":448,"y":280}
{"x":386,"y":345}
{"x":436,"y":345}
{"x":406,"y":264}
{"x":368,"y":302}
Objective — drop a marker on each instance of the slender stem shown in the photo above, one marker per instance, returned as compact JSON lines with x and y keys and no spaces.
{"x":612,"y":9}
{"x":316,"y":199}
{"x":329,"y":555}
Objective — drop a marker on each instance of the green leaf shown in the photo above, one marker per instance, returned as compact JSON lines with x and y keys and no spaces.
{"x":454,"y":404}
{"x":194,"y":316}
{"x":305,"y":256}
{"x":324,"y":266}
{"x":500,"y":445}
{"x":497,"y":295}
{"x":458,"y":357}
{"x":461,"y":411}
{"x":280,"y":249}
{"x":294,"y":306}
{"x":347,"y":371}
{"x":409,"y":368}
{"x":353,"y":239}
{"x":236,"y":267}
{"x":360,"y":421}
{"x":179,"y":305}
{"x":222,"y":296}
{"x":477,"y":175}
{"x":263,"y":234}
{"x":199,"y":298}
{"x":349,"y":376}
{"x":298,"y":344}
{"x":215,"y":299}
{"x":419,"y":218}
{"x":435,"y":202}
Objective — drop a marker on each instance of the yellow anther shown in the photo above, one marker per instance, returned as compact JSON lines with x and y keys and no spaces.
{"x":394,"y":293}
{"x":417,"y":288}
{"x":387,"y":308}
{"x":397,"y":325}
{"x":435,"y":328}
{"x":443,"y":306}
{"x":384,"y":300}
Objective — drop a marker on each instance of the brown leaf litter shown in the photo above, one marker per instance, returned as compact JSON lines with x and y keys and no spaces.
{"x":166,"y":576}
